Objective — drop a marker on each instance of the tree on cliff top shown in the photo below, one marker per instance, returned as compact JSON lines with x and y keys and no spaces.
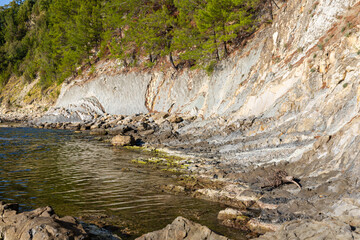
{"x":55,"y":39}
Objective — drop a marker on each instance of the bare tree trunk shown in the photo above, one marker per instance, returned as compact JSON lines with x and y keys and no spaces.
{"x":133,"y":56}
{"x":172,"y":61}
{"x":170,"y":55}
{"x":216,"y":48}
{"x":275,"y":4}
{"x":225,"y":49}
{"x":270,"y":9}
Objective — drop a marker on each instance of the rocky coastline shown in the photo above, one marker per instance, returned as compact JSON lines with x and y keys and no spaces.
{"x":273,"y":133}
{"x":255,"y":204}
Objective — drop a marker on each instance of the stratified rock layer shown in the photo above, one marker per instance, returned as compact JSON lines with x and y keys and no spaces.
{"x":313,"y":230}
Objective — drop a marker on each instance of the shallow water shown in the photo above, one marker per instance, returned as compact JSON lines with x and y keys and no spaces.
{"x":82,"y":177}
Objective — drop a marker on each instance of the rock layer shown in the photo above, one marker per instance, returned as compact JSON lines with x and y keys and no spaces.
{"x":328,"y":229}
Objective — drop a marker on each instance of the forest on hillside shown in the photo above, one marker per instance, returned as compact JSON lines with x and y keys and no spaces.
{"x":56,"y":39}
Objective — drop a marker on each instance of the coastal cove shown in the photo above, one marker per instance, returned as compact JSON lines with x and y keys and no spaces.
{"x":81,"y":176}
{"x":255,"y":137}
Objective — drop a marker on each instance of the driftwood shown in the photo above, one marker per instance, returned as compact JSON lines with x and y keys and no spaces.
{"x":277,"y":179}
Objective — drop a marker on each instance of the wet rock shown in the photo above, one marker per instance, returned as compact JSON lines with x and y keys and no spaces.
{"x":121,"y":140}
{"x":182,"y":228}
{"x":47,"y":125}
{"x":74,"y":126}
{"x":233,"y":218}
{"x":96,"y":233}
{"x":172,"y":188}
{"x":147,"y":132}
{"x":85,"y":127}
{"x":98,"y":132}
{"x":96,"y":125}
{"x":118,"y":130}
{"x":312,"y":230}
{"x":39,"y":224}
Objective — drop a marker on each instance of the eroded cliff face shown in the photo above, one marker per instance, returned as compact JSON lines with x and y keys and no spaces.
{"x":290,"y":97}
{"x":283,"y":68}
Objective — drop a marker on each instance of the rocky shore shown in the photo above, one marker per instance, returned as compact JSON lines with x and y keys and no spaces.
{"x":43,"y":223}
{"x":259,"y":200}
{"x":273,"y":133}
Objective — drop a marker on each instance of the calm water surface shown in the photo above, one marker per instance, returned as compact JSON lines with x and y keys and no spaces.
{"x":82,"y":177}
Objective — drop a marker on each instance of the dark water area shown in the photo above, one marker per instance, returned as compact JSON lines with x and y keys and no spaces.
{"x":83,"y":177}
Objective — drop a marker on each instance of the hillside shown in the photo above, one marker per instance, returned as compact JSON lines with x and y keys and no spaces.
{"x":289,"y":100}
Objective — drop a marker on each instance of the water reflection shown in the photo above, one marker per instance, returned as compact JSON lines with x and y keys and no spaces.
{"x":79,"y":176}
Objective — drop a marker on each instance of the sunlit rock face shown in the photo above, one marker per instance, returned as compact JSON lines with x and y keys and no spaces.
{"x":290,"y":97}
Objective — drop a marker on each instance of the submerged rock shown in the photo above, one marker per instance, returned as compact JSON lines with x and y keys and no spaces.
{"x":96,"y":233}
{"x":181,"y":229}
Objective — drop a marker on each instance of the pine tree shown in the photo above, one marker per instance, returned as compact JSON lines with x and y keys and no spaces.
{"x":220,"y":22}
{"x":187,"y":37}
{"x":55,"y":38}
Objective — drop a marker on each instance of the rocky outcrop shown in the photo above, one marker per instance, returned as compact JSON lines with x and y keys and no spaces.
{"x":183,"y":229}
{"x":328,"y":229}
{"x":44,"y":224}
{"x":86,"y":109}
{"x":39,"y":224}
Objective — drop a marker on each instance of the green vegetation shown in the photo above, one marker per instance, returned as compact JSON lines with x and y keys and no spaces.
{"x":56,"y":39}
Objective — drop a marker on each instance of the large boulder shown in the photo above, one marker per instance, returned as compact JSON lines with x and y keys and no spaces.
{"x":183,"y":229}
{"x":121,"y":140}
{"x":39,"y":224}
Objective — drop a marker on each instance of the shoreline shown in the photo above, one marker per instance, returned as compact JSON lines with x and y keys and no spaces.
{"x":209,"y":176}
{"x":163,"y":153}
{"x":188,"y":185}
